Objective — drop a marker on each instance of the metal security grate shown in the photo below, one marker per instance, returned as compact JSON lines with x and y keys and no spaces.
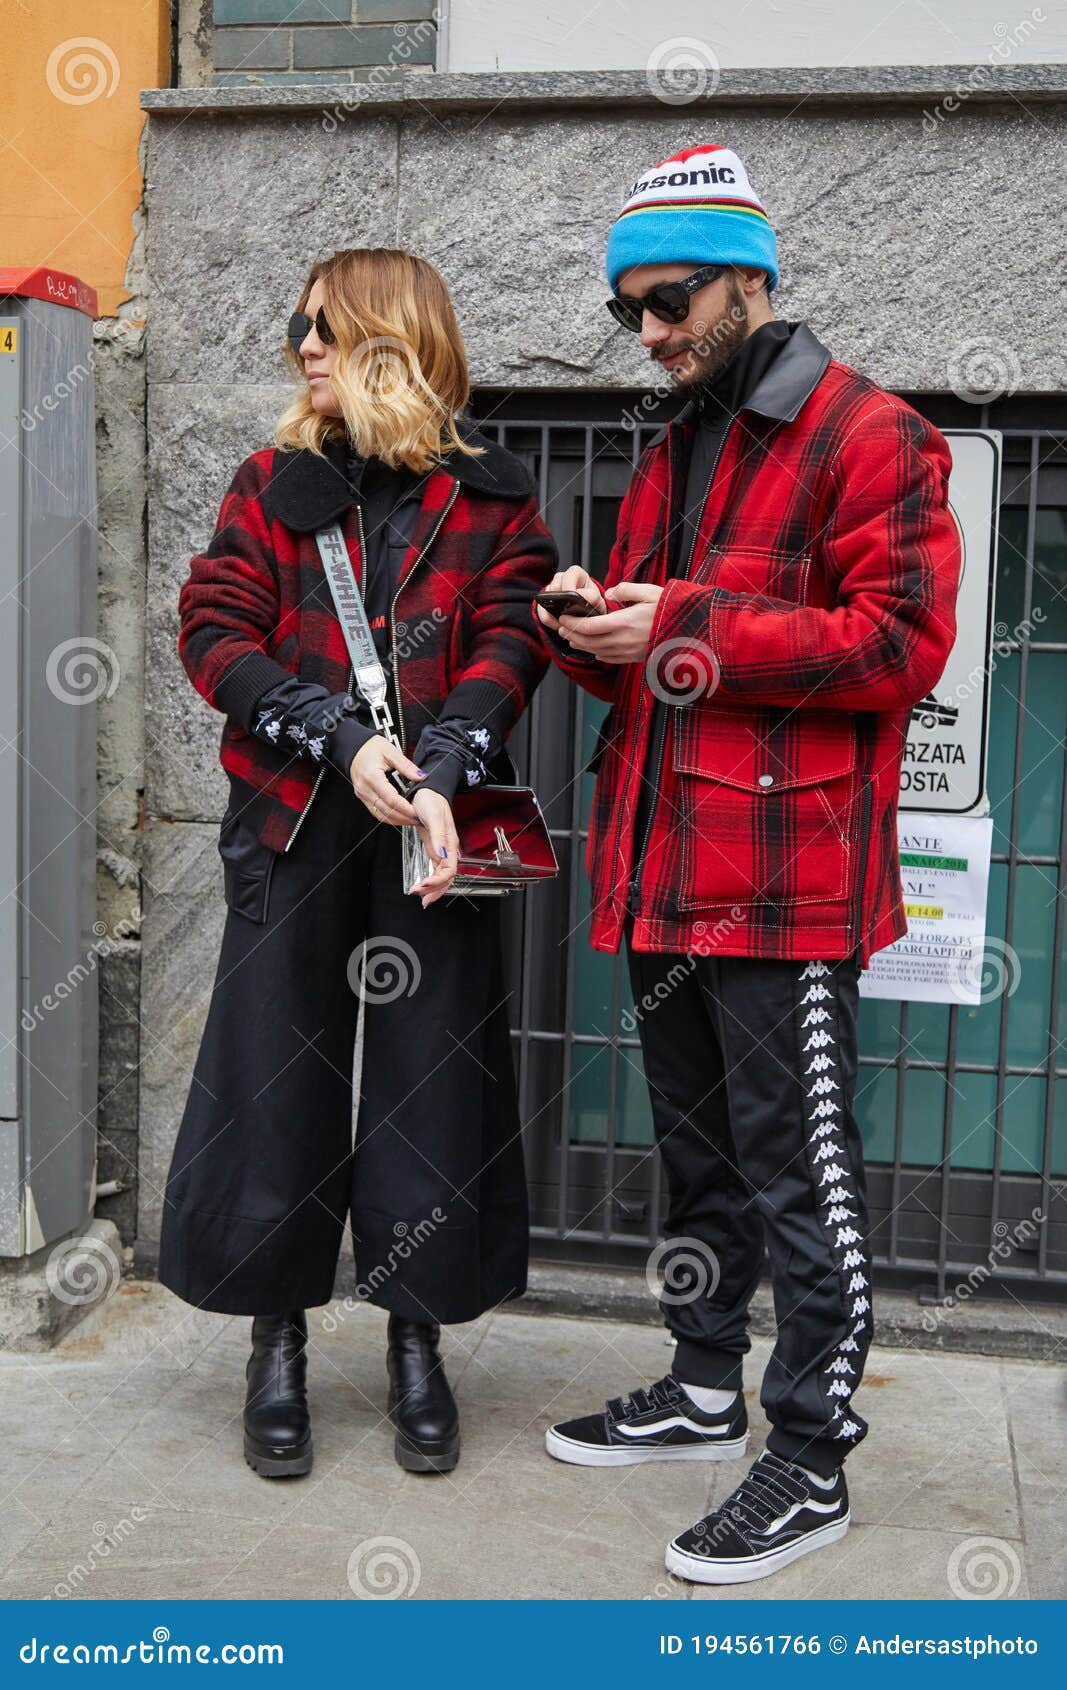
{"x":963,"y":1112}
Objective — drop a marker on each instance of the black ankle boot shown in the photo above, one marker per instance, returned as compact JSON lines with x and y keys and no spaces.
{"x":421,"y":1404}
{"x":277,"y":1424}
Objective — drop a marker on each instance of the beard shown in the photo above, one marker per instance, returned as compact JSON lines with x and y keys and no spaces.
{"x":714,"y":348}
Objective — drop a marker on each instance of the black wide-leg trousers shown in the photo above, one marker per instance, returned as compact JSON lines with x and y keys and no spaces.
{"x":751,"y":1068}
{"x":265,"y":1170}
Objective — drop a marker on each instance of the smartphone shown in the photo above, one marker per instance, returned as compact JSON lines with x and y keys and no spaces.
{"x":567,"y":604}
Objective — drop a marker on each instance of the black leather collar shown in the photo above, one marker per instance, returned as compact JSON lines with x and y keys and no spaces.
{"x":790,"y":381}
{"x":307,"y":490}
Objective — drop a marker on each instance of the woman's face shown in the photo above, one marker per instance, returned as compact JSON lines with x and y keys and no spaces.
{"x":318,"y":360}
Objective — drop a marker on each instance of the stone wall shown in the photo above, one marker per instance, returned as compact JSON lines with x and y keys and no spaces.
{"x":901,"y":247}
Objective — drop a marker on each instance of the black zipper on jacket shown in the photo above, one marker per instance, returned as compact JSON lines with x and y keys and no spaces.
{"x":658,"y":734}
{"x":393,"y":656}
{"x":866,"y":799}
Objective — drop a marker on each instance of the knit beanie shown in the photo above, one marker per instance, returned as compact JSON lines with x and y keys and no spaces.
{"x":697,"y":207}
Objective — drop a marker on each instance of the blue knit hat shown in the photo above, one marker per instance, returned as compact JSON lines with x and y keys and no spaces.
{"x":697,"y":207}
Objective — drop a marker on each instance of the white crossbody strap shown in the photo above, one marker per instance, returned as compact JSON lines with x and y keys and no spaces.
{"x":370,"y":677}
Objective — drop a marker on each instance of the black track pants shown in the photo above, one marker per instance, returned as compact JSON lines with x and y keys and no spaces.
{"x":751,"y":1067}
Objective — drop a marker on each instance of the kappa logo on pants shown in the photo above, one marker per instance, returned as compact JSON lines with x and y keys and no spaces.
{"x":839,"y":1200}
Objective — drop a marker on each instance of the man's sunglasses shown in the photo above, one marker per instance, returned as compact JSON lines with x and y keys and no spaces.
{"x":669,"y":302}
{"x":301,"y":325}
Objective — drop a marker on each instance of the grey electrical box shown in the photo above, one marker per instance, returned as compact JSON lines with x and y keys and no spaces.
{"x":52,"y":669}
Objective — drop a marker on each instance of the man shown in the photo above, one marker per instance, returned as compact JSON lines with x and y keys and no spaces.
{"x":780,"y":593}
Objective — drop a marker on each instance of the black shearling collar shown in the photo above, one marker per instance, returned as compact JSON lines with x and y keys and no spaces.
{"x":307,"y":491}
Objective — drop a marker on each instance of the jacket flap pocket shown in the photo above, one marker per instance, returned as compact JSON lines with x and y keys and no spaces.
{"x":247,"y":868}
{"x":764,"y":751}
{"x":773,"y":573}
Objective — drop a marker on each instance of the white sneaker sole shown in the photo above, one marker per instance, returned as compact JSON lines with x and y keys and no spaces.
{"x":612,"y":1455}
{"x":698,"y":1570}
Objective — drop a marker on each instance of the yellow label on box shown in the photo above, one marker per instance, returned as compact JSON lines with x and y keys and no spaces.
{"x":9,"y":340}
{"x":924,"y":912}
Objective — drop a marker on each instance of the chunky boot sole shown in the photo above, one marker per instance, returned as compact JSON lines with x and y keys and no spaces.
{"x":276,"y":1463}
{"x":614,"y":1455}
{"x":698,"y":1569}
{"x":417,"y":1457}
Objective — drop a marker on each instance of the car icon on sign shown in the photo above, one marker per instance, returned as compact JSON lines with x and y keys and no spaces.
{"x":930,"y":714}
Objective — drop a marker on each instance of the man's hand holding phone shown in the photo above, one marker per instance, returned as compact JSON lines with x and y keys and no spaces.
{"x":613,"y":630}
{"x":576,"y":585}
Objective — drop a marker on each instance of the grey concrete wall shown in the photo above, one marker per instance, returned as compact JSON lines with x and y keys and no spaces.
{"x":119,"y":373}
{"x":900,"y":247}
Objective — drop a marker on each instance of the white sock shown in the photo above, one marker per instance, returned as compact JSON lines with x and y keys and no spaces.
{"x":712,"y":1402}
{"x":818,"y":1479}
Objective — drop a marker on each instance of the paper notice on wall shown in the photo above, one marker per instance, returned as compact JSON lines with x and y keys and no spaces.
{"x":944,"y":874}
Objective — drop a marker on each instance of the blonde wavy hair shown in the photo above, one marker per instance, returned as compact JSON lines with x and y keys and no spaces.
{"x":401,"y":376}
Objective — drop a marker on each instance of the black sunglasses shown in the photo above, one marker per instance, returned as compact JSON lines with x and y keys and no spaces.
{"x":301,"y":325}
{"x":669,"y":302}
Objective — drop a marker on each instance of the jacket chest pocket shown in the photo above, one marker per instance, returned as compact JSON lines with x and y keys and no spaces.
{"x":768,"y":803}
{"x":777,"y":573}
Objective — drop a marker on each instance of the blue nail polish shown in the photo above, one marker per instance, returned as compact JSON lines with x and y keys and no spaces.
{"x":444,"y":852}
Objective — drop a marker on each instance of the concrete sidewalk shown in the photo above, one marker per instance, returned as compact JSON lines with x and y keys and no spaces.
{"x":123,"y":1474}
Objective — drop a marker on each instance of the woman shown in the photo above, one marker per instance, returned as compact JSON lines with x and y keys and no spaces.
{"x":444,"y":537}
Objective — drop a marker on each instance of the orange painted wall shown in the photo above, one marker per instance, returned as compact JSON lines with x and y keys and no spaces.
{"x":71,"y":73}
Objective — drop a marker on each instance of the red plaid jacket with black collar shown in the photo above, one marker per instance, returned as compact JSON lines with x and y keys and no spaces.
{"x":256,"y":608}
{"x":818,"y":608}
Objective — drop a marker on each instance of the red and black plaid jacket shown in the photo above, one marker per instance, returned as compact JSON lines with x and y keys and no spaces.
{"x":256,"y":609}
{"x":818,"y":608}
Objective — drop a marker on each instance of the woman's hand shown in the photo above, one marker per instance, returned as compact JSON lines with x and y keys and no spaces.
{"x":573,"y":580}
{"x":437,"y":830}
{"x":369,"y":770}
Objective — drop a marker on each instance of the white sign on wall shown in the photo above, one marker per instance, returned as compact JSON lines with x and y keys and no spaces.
{"x":944,"y":874}
{"x":944,"y":765}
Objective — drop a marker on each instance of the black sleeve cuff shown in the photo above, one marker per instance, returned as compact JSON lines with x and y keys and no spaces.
{"x":445,"y":775}
{"x":557,"y":644}
{"x":348,"y":737}
{"x":455,"y":752}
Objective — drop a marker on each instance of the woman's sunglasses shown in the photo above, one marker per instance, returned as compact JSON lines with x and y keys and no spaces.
{"x":301,"y":325}
{"x":669,"y":302}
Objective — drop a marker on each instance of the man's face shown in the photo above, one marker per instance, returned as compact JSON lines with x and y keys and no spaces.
{"x":692,"y":353}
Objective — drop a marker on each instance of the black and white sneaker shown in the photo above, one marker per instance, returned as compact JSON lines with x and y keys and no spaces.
{"x":661,"y":1423}
{"x":776,"y":1514}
